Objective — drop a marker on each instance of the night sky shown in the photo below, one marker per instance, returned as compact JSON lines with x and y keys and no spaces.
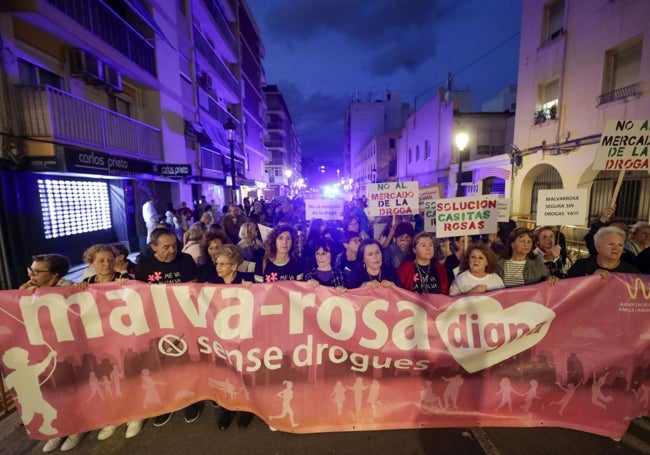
{"x":325,"y":53}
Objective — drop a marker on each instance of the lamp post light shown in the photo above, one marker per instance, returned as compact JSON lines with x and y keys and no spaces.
{"x":461,"y":143}
{"x":288,"y":174}
{"x":230,"y":128}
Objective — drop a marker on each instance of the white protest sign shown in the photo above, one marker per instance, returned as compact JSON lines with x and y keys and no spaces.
{"x":264,"y":231}
{"x":392,"y":198}
{"x":567,"y":207}
{"x":429,"y":210}
{"x":503,"y":205}
{"x":466,"y":216}
{"x":623,"y":145}
{"x":430,"y":192}
{"x":325,"y":209}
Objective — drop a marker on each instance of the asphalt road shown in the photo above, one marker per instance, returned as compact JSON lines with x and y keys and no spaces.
{"x":203,"y":437}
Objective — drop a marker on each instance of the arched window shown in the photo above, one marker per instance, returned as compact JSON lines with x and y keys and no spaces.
{"x":549,"y":179}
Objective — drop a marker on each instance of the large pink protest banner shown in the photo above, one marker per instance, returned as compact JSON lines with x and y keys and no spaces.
{"x":576,"y":355}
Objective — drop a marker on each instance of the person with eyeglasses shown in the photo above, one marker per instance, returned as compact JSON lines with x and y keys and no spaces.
{"x":227,"y":259}
{"x":47,"y":270}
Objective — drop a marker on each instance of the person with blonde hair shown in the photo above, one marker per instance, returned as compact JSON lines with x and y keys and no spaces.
{"x":638,"y":238}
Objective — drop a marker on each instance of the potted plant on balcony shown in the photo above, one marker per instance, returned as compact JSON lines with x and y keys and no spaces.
{"x":552,"y":112}
{"x":540,"y":117}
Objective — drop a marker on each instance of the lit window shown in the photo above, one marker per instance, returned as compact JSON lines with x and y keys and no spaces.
{"x":547,"y":97}
{"x":73,"y":207}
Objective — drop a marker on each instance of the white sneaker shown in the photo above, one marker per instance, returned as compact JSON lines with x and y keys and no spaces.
{"x":133,"y":428}
{"x":52,"y":445}
{"x":72,"y":441}
{"x":107,"y":432}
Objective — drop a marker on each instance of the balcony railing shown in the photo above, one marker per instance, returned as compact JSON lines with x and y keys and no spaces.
{"x":220,"y":21}
{"x":52,"y":113}
{"x":102,"y":21}
{"x":225,"y":76}
{"x":619,"y":93}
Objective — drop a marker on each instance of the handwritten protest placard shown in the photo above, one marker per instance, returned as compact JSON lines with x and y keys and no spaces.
{"x":466,"y":216}
{"x":623,"y":145}
{"x":429,"y":193}
{"x":392,"y":198}
{"x":568,"y":207}
{"x":325,"y":209}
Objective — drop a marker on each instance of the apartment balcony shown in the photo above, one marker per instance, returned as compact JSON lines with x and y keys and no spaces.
{"x":96,"y":18}
{"x":618,"y":94}
{"x":225,"y":79}
{"x":52,"y":115}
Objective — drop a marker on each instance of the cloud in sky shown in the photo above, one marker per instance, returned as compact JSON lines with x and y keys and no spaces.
{"x":390,"y":34}
{"x":323,"y":54}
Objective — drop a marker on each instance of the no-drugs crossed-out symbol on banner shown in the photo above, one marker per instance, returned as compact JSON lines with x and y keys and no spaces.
{"x":172,"y":345}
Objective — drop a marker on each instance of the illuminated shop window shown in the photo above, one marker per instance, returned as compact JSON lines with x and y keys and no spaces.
{"x":73,"y":207}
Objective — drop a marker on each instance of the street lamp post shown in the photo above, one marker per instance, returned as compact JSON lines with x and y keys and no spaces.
{"x":461,"y":143}
{"x":230,"y":128}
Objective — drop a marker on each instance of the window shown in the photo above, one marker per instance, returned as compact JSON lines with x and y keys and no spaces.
{"x":547,"y":99}
{"x":553,"y":20}
{"x":185,"y":67}
{"x":427,"y":150}
{"x":391,"y":143}
{"x":31,"y":74}
{"x":417,"y":153}
{"x":410,"y":155}
{"x":490,"y":141}
{"x":119,"y":105}
{"x":622,"y":69}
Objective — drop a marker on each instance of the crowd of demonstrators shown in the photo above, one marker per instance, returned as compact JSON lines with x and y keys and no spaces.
{"x":229,"y":249}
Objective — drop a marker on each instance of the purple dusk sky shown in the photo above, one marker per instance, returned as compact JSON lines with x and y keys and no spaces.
{"x":324,"y":53}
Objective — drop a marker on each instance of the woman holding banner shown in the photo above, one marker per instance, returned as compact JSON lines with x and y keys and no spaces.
{"x":478,"y":272}
{"x":371,"y":272}
{"x":609,"y":243}
{"x":424,"y":274}
{"x":519,"y":265}
{"x":325,"y":273}
{"x":282,"y":260}
{"x":227,"y":260}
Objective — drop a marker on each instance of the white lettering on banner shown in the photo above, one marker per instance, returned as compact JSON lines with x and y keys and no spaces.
{"x":233,"y":321}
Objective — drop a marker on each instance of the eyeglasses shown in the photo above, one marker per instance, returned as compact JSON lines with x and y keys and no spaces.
{"x":31,"y":271}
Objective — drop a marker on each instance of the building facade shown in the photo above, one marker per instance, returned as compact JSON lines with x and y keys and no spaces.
{"x":284,"y":166}
{"x":103,"y":106}
{"x":571,"y":81}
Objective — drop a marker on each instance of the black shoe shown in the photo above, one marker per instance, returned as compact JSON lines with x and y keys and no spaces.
{"x":162,"y":419}
{"x":193,"y":411}
{"x":245,"y":419}
{"x":225,"y":418}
